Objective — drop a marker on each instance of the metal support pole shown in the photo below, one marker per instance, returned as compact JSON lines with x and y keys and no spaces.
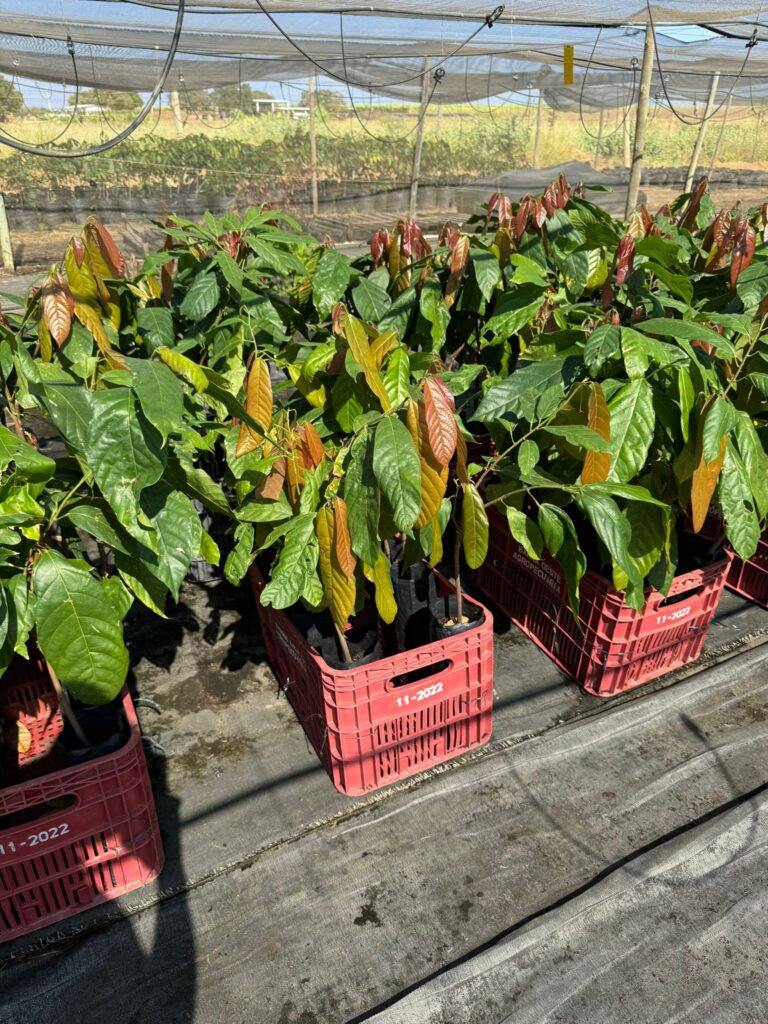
{"x":723,"y":126}
{"x":702,"y":132}
{"x":627,"y":142}
{"x":419,"y":140}
{"x":176,"y":108}
{"x":6,"y":250}
{"x":599,"y":143}
{"x":537,"y":130}
{"x":641,"y":123}
{"x":313,"y":142}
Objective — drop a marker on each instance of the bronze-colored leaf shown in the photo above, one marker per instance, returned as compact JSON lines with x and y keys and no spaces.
{"x":441,"y":425}
{"x":312,"y":444}
{"x":459,"y":264}
{"x":339,"y":590}
{"x":107,"y":258}
{"x":461,"y":459}
{"x":597,"y":465}
{"x":703,"y":485}
{"x":58,"y":307}
{"x":434,"y":477}
{"x":341,"y":540}
{"x":258,"y":404}
{"x":272,"y":487}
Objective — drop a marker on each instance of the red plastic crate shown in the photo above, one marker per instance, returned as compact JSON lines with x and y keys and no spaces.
{"x":27,"y":697}
{"x":748,"y":578}
{"x":367,"y":726}
{"x":77,"y":837}
{"x":613,"y":648}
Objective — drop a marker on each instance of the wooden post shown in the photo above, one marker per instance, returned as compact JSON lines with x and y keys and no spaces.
{"x":627,"y":142}
{"x":419,"y":141}
{"x":313,"y":142}
{"x":723,"y":126}
{"x":702,"y":132}
{"x":176,"y":108}
{"x":641,"y":122}
{"x":537,"y":130}
{"x":6,"y":250}
{"x":599,"y":143}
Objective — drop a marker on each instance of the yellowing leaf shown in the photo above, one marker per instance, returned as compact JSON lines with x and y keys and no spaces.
{"x":355,"y":336}
{"x":258,"y":404}
{"x":474,"y":527}
{"x":341,"y":541}
{"x":441,"y":426}
{"x":436,"y":553}
{"x":434,"y":477}
{"x":80,"y":278}
{"x":107,"y":259}
{"x":386,"y":605}
{"x":461,"y":460}
{"x":315,"y":396}
{"x":338,"y":589}
{"x":597,"y":465}
{"x":44,"y":338}
{"x":381,"y":345}
{"x":183,"y":367}
{"x":294,"y":474}
{"x":703,"y":485}
{"x":90,"y":318}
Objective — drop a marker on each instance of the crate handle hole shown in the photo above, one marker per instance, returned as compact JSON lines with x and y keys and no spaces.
{"x":42,"y":810}
{"x":417,"y":674}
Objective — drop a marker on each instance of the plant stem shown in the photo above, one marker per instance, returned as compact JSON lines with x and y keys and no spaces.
{"x":66,"y":707}
{"x":13,"y":410}
{"x":343,"y":645}
{"x":103,"y":566}
{"x":457,"y":575}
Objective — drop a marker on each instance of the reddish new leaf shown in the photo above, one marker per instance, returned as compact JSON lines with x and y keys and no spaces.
{"x":97,"y":237}
{"x":441,"y":425}
{"x":743,"y":249}
{"x":521,"y":217}
{"x":380,"y":242}
{"x":539,"y":215}
{"x":459,"y":264}
{"x":449,"y":235}
{"x":58,"y":307}
{"x":549,"y":200}
{"x":625,"y":257}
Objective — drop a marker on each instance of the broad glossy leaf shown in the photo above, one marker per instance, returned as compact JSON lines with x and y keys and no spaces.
{"x":632,"y":425}
{"x":78,"y":631}
{"x":434,"y":309}
{"x":532,"y":391}
{"x":82,"y":283}
{"x":70,"y":406}
{"x":686,"y":398}
{"x":604,"y":343}
{"x":92,"y":517}
{"x":434,"y":477}
{"x":155,"y":325}
{"x":201,"y":298}
{"x":687,"y":330}
{"x":487,"y":271}
{"x":734,"y":496}
{"x":755,"y":461}
{"x":196,"y":483}
{"x":361,"y":494}
{"x":183,"y":367}
{"x":371,"y":301}
{"x":331,"y":277}
{"x":581,"y":436}
{"x":527,"y":456}
{"x":177,"y":532}
{"x":289,"y":573}
{"x":474,"y":527}
{"x":357,"y":339}
{"x":513,"y":311}
{"x":526,"y":532}
{"x":160,"y":394}
{"x":397,"y":469}
{"x":613,"y":530}
{"x":239,"y":558}
{"x":341,"y":541}
{"x":396,"y":376}
{"x":719,"y":420}
{"x":440,"y":422}
{"x":30,"y":464}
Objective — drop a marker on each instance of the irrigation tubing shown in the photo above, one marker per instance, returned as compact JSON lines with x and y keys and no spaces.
{"x":102,"y":147}
{"x":73,"y":114}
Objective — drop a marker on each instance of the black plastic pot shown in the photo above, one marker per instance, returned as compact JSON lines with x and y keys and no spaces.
{"x":444,"y":610}
{"x":415,"y":593}
{"x":104,"y":725}
{"x":364,"y":648}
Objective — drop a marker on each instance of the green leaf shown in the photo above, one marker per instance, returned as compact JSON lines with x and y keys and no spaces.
{"x":734,"y":497}
{"x":91,"y":517}
{"x":474,"y":527}
{"x":289,"y":573}
{"x":581,"y":436}
{"x":345,"y":401}
{"x":551,"y":527}
{"x":124,"y":452}
{"x":196,"y":483}
{"x":604,"y":343}
{"x":686,"y":398}
{"x":138,"y":574}
{"x":21,"y":609}
{"x":513,"y":311}
{"x":362,"y":496}
{"x":613,"y":530}
{"x":719,"y":421}
{"x":526,"y":533}
{"x":397,"y":469}
{"x":527,"y":456}
{"x":156,"y":327}
{"x":70,"y":407}
{"x":183,"y":367}
{"x":635,"y":353}
{"x":487,"y":271}
{"x":399,"y":315}
{"x":755,"y":461}
{"x":687,"y":330}
{"x":177,"y":532}
{"x":330,"y":281}
{"x":239,"y":559}
{"x":202,"y":297}
{"x":79,"y":632}
{"x":371,"y":301}
{"x":209,"y":549}
{"x":261,"y":511}
{"x":530,"y":392}
{"x":396,"y":376}
{"x":118,"y":595}
{"x":160,"y":394}
{"x":433,"y":308}
{"x":231,"y":271}
{"x":752,"y":286}
{"x":632,"y":426}
{"x":30,"y":464}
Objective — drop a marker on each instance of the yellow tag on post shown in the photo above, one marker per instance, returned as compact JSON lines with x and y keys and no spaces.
{"x":568,"y":64}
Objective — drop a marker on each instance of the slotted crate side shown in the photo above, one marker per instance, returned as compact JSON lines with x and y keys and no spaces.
{"x":27,"y":697}
{"x":612,"y":648}
{"x":77,"y":837}
{"x":747,"y":578}
{"x":368,"y":730}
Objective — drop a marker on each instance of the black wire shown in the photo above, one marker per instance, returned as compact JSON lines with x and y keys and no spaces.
{"x":622,"y":122}
{"x":697,"y":122}
{"x":231,"y":120}
{"x":102,"y":147}
{"x":489,"y":21}
{"x":73,"y":114}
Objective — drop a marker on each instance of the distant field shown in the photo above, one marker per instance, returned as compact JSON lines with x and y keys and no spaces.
{"x":270,"y":153}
